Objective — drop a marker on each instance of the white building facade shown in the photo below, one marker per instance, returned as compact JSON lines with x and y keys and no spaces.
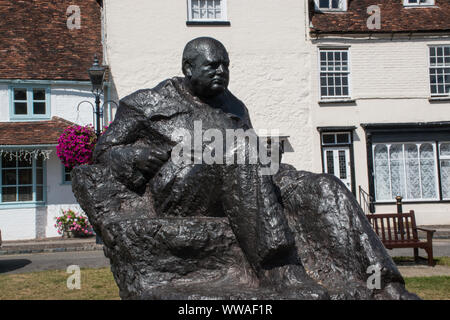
{"x":381,"y":99}
{"x":43,"y":79}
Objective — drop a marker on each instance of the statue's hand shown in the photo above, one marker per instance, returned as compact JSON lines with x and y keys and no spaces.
{"x":134,"y":166}
{"x":150,"y":160}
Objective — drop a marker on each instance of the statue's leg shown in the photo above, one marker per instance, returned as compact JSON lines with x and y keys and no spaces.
{"x":252,"y":204}
{"x":336,"y":243}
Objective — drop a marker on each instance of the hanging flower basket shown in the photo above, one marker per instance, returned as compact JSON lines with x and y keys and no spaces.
{"x":76,"y":145}
{"x":72,"y":224}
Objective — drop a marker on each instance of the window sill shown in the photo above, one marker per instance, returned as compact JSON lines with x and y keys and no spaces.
{"x":439,"y":98}
{"x":333,"y":101}
{"x":21,"y":205}
{"x":412,"y":202}
{"x":208,"y":23}
{"x":24,"y":119}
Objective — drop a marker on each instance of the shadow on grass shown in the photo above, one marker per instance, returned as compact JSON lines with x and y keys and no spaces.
{"x":13,"y":264}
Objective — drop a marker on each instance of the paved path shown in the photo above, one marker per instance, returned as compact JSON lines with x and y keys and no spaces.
{"x":23,"y":263}
{"x":441,"y":248}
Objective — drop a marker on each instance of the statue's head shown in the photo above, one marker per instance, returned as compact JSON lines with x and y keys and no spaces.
{"x":205,"y":66}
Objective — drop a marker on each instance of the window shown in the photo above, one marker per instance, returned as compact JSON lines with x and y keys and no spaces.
{"x":444,"y":163}
{"x":406,"y":169}
{"x":415,"y":3}
{"x":337,"y":156}
{"x":440,"y":70}
{"x":22,"y":180}
{"x":330,"y":5}
{"x":334,"y":74}
{"x":29,"y":102}
{"x":207,"y":10}
{"x":67,"y":179}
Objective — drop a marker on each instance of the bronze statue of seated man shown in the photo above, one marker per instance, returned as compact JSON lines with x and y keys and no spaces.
{"x":220,"y":230}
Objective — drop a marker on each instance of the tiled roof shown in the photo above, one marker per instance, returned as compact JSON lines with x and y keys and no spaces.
{"x":36,"y":43}
{"x":394,"y":17}
{"x":32,"y":132}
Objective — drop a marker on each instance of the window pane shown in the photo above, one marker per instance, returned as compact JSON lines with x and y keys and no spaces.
{"x":397,"y":171}
{"x":382,"y":185}
{"x":39,"y":108}
{"x":412,"y":172}
{"x":39,"y":161}
{"x":330,"y":162}
{"x":324,"y":3}
{"x":39,"y":176}
{"x":38,"y":94}
{"x":25,"y":176}
{"x":9,"y":194}
{"x":445,"y":178}
{"x":20,"y":108}
{"x":444,"y":149}
{"x":328,"y":138}
{"x":39,"y":194}
{"x":20,"y":94}
{"x":9,"y":177}
{"x":342,"y":165}
{"x":25,"y":193}
{"x":22,"y":163}
{"x":8,"y":162}
{"x":343,"y":138}
{"x":427,"y":171}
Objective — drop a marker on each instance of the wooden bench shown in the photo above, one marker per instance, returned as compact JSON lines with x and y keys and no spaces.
{"x":399,"y":230}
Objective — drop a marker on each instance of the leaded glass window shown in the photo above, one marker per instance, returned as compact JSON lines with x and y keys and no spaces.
{"x":405,"y":169}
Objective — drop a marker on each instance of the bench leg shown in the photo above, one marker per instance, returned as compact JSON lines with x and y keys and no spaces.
{"x":416,"y":254}
{"x":429,"y":251}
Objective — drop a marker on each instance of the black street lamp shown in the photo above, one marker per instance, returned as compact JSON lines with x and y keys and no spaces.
{"x":97,"y":76}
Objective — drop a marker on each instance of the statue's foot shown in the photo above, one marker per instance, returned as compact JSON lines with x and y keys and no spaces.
{"x":292,"y":282}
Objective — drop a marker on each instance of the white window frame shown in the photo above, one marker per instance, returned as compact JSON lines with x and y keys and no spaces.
{"x":341,"y":7}
{"x":441,"y":157}
{"x":444,"y":66}
{"x":436,"y":172}
{"x":348,"y":72}
{"x":34,"y":185}
{"x":419,"y":3}
{"x":223,"y":8}
{"x":29,"y":102}
{"x":335,"y":143}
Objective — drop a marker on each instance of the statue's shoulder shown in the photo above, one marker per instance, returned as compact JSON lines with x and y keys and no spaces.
{"x":150,"y":98}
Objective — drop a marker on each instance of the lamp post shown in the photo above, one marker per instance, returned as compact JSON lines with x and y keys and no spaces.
{"x":97,"y":76}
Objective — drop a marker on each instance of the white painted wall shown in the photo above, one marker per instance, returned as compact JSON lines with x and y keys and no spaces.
{"x":390,"y":82}
{"x":28,"y":223}
{"x":267,"y":46}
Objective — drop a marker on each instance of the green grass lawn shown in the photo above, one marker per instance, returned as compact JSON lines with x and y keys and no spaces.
{"x":99,"y":284}
{"x":440,"y":261}
{"x":96,"y":284}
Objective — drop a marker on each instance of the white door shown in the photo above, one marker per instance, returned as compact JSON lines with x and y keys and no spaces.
{"x":337,"y":162}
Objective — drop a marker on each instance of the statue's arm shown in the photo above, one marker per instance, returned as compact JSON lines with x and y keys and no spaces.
{"x":133,"y":165}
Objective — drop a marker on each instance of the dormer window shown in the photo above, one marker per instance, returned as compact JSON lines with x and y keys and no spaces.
{"x":416,"y":3}
{"x":330,"y":5}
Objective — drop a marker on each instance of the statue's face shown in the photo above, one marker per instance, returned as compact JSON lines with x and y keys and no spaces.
{"x":209,"y":72}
